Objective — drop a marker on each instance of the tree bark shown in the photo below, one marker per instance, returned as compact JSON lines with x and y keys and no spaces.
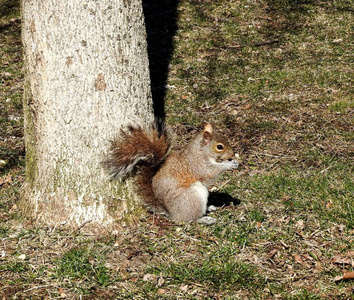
{"x":86,"y":76}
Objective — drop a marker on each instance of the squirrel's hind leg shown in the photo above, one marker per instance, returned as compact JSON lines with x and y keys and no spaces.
{"x":190,"y":204}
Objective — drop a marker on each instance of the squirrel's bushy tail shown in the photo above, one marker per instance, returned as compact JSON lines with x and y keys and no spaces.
{"x":138,"y":152}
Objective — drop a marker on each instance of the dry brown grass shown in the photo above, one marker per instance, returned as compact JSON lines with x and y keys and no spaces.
{"x":286,"y":105}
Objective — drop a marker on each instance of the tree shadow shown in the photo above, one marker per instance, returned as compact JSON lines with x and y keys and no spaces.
{"x":11,"y":148}
{"x":9,"y":7}
{"x":286,"y":16}
{"x":161,"y":26}
{"x":11,"y":158}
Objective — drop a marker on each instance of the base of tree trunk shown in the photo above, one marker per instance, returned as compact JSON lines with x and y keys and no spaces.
{"x":65,"y":210}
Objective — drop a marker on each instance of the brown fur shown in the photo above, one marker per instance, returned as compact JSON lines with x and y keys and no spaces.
{"x":138,"y":152}
{"x":175,"y":183}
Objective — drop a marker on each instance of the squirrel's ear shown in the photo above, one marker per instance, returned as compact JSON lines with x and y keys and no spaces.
{"x":207,"y":133}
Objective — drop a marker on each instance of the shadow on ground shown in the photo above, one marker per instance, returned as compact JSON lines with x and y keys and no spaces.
{"x":161,"y":26}
{"x":222,"y":199}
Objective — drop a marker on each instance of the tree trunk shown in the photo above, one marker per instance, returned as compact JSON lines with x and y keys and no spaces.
{"x":86,"y":76}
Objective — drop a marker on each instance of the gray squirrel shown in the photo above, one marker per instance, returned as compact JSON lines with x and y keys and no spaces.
{"x":172,"y":182}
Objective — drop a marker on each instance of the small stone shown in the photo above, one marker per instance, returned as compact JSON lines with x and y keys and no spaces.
{"x":206,"y":220}
{"x":22,"y":257}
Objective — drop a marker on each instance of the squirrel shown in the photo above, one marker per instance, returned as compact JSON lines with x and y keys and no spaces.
{"x":172,"y":182}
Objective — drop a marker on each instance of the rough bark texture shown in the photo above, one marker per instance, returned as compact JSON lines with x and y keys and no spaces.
{"x":86,"y":76}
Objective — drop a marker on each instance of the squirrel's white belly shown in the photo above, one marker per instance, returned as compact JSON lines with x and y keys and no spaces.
{"x":201,"y":190}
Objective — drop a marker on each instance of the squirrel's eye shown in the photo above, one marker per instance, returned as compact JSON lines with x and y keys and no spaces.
{"x":220,"y":147}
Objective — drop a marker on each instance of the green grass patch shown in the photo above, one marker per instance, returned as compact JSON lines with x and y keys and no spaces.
{"x":15,"y":267}
{"x":341,"y":106}
{"x":326,"y":193}
{"x":83,"y":264}
{"x":217,"y":270}
{"x":3,"y":230}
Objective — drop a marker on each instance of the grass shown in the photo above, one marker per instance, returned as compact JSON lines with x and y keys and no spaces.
{"x":275,"y":76}
{"x":225,"y":274}
{"x":83,"y":264}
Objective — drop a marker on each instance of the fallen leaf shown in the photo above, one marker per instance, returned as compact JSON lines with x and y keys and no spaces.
{"x":133,"y":253}
{"x":161,"y":291}
{"x":297,"y":258}
{"x":272,"y":253}
{"x":245,"y":107}
{"x":318,"y":267}
{"x":7,"y":179}
{"x":286,"y":197}
{"x":300,"y":224}
{"x":341,"y":227}
{"x":346,"y":258}
{"x":345,"y":276}
{"x":184,"y":287}
{"x":125,"y":264}
{"x":62,"y":293}
{"x":307,"y":257}
{"x":149,"y":277}
{"x":13,"y":208}
{"x":160,"y":281}
{"x":348,"y":275}
{"x":22,"y":256}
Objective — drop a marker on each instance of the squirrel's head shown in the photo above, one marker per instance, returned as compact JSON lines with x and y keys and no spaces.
{"x":219,"y":149}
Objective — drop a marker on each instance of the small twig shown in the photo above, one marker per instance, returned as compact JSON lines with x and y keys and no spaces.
{"x":5,"y":287}
{"x":271,"y":166}
{"x":83,"y":224}
{"x":215,"y":189}
{"x":315,"y":232}
{"x":274,"y":156}
{"x":285,"y":245}
{"x":38,"y":287}
{"x":264,"y":43}
{"x":256,"y":44}
{"x":326,"y":169}
{"x":134,"y":253}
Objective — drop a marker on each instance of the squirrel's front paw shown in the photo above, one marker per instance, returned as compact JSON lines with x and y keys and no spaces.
{"x":212,"y":208}
{"x":206,"y":220}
